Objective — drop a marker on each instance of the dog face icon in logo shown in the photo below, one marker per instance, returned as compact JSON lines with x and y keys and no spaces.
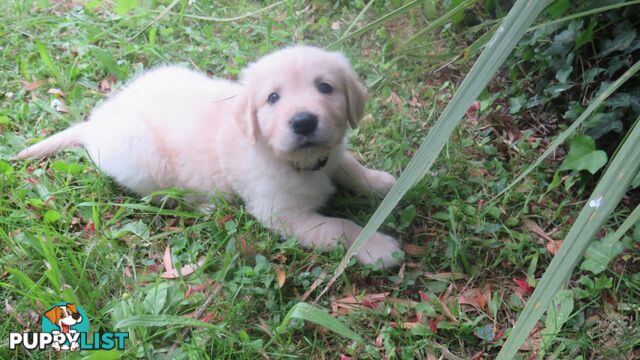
{"x":65,"y":318}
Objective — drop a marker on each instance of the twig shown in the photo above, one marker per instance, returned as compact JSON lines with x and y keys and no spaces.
{"x":198,"y":314}
{"x":162,"y":14}
{"x":235,"y":18}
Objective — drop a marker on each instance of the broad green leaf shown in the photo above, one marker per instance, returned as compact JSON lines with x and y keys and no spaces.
{"x":600,"y":253}
{"x":124,"y":6}
{"x":52,"y":216}
{"x":586,"y":36}
{"x":595,"y":104}
{"x":407,"y":216}
{"x":583,"y":155}
{"x":63,"y":167}
{"x":558,"y":7}
{"x":557,"y":315}
{"x":318,"y":316}
{"x":5,"y":168}
{"x":156,"y":298}
{"x":498,"y":49}
{"x":108,"y":62}
{"x":46,"y":59}
{"x":612,"y":186}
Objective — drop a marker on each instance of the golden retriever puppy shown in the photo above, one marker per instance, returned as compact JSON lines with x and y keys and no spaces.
{"x":276,"y":139}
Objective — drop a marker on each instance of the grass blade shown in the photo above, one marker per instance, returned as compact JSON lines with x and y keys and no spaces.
{"x":610,"y":189}
{"x":436,"y":23}
{"x":383,"y":19}
{"x":165,"y":320}
{"x":510,"y":32}
{"x":236,"y":18}
{"x":585,"y":13}
{"x":316,"y":315}
{"x":595,"y":104}
{"x":358,"y":17}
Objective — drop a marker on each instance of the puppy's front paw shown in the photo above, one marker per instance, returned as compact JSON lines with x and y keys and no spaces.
{"x":381,"y":182}
{"x":381,"y":246}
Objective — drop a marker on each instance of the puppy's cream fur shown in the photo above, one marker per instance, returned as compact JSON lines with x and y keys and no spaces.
{"x":173,"y":127}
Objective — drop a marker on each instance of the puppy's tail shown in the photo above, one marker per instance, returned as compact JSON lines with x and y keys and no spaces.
{"x":64,"y":139}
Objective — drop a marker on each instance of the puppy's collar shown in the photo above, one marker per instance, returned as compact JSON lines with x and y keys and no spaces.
{"x":315,"y":167}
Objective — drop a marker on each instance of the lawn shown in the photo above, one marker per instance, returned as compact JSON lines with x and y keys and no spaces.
{"x":69,"y":233}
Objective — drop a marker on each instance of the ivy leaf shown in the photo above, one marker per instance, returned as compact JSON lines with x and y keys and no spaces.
{"x":585,"y":36}
{"x":600,"y":253}
{"x":558,"y":7}
{"x":624,"y":37}
{"x":583,"y":155}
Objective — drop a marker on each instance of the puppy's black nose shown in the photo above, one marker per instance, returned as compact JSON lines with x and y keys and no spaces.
{"x":75,"y":316}
{"x":304,"y":123}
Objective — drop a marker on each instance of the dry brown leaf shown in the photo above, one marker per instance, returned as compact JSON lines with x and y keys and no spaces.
{"x":313,"y":286}
{"x":32,"y":85}
{"x":447,"y":312}
{"x":473,"y":297}
{"x":57,"y":92}
{"x":185,"y":271}
{"x":394,"y":98}
{"x":59,"y":105}
{"x":444,"y":276}
{"x":553,"y":246}
{"x":411,"y":249}
{"x":166,"y":260}
{"x":281,"y":277}
{"x":535,"y":228}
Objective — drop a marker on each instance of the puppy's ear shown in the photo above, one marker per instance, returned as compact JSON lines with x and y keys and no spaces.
{"x":73,"y":308}
{"x":356,"y":96}
{"x":53,"y":315}
{"x":245,"y":114}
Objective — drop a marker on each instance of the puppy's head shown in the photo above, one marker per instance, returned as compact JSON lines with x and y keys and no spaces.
{"x":300,"y":102}
{"x":64,"y":314}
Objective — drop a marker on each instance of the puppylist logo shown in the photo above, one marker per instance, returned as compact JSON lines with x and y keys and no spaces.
{"x":65,"y":327}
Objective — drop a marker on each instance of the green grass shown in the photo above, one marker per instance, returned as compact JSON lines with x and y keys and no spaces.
{"x":69,"y":233}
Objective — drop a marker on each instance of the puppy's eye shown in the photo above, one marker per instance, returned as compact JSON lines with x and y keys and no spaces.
{"x":273,"y":98}
{"x":325,"y":88}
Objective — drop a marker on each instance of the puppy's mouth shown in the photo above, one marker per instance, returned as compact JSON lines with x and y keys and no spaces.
{"x":307,"y":144}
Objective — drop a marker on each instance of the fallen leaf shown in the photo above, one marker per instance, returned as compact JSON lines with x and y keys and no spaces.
{"x":313,"y":286}
{"x":59,"y":105}
{"x":57,"y":92}
{"x":444,"y":276}
{"x":345,"y":305}
{"x":446,"y":311}
{"x":394,"y":98}
{"x":535,"y":228}
{"x":473,"y":297}
{"x":185,"y":271}
{"x":474,"y":107}
{"x":411,"y":249}
{"x":32,"y":85}
{"x":281,"y":277}
{"x":553,"y":246}
{"x":9,"y":309}
{"x":167,"y":261}
{"x":335,"y":25}
{"x":523,"y":286}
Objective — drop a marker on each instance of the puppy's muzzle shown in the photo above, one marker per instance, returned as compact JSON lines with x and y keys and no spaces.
{"x":304,"y":123}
